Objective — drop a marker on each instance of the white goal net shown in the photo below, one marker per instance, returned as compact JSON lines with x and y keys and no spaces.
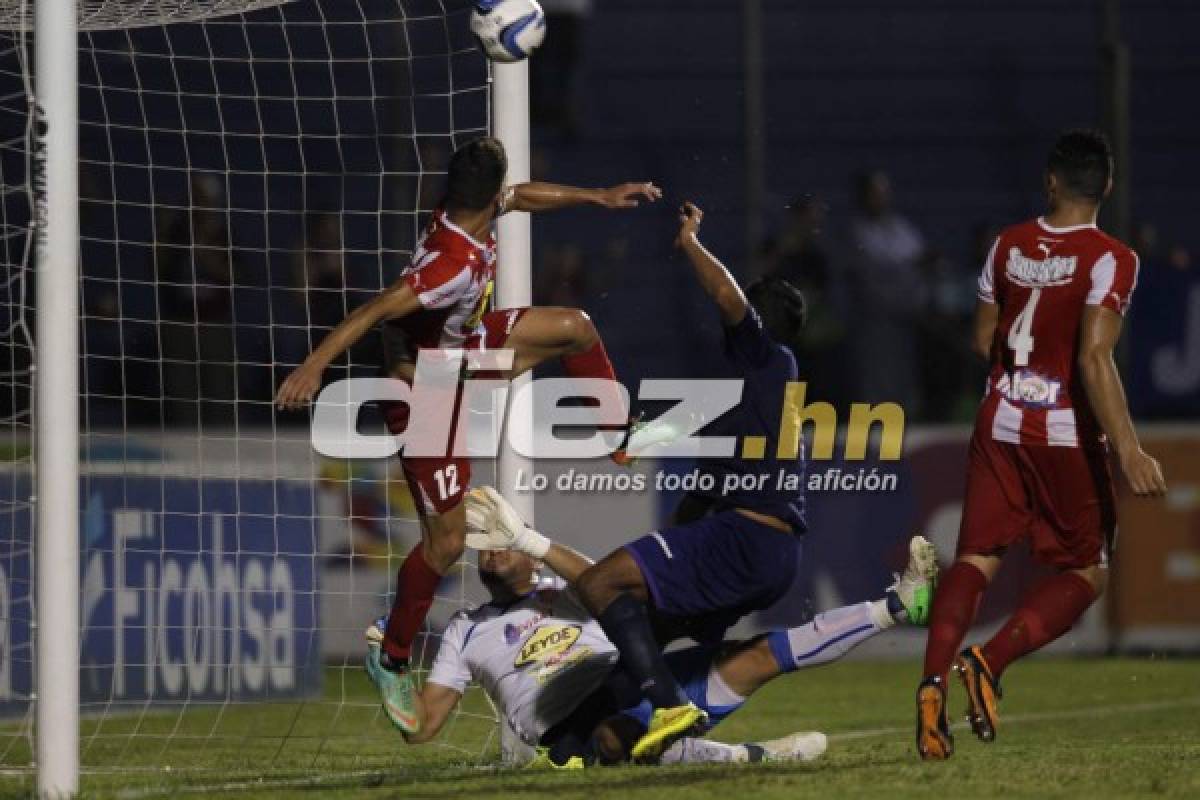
{"x":249,"y":172}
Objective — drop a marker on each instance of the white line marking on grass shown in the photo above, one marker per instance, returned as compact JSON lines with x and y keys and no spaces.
{"x":1035,"y":716}
{"x":384,"y":774}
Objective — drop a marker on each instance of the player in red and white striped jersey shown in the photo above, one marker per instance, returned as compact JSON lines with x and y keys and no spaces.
{"x":440,"y":300}
{"x":1035,"y":286}
{"x":1052,"y":296}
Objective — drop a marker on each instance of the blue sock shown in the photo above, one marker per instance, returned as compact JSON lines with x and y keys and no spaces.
{"x":627,"y":626}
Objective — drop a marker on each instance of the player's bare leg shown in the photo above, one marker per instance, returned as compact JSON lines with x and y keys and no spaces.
{"x":615,"y":574}
{"x":543,"y":333}
{"x":569,"y":335}
{"x":444,"y":537}
{"x":1048,"y":611}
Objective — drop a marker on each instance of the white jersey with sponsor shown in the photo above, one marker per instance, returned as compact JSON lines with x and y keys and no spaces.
{"x":537,"y":657}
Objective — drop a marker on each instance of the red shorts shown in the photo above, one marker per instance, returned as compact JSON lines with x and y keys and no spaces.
{"x":1061,"y":498}
{"x":438,"y":483}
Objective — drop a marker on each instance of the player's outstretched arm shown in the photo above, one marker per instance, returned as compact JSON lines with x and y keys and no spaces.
{"x":1099,"y":331}
{"x":541,"y":196}
{"x":714,"y":278}
{"x":566,"y":562}
{"x":302,"y":384}
{"x":434,"y":704}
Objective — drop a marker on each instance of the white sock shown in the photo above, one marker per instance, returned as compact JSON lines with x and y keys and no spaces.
{"x":691,"y":750}
{"x":881,"y":614}
{"x":830,"y":635}
{"x":718,"y":693}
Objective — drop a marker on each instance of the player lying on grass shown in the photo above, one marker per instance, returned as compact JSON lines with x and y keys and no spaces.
{"x":1052,"y":296}
{"x":440,"y":301}
{"x":697,"y":577}
{"x":552,"y":672}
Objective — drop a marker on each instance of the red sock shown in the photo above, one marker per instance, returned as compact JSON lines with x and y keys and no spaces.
{"x":415,"y":584}
{"x":954,"y":606}
{"x":594,"y":363}
{"x":1046,"y":613}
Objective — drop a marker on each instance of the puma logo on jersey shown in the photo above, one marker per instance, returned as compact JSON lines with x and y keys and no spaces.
{"x":1034,"y":273}
{"x":1046,"y":245}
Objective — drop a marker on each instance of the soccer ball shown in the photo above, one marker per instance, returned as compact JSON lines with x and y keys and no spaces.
{"x":508,"y":30}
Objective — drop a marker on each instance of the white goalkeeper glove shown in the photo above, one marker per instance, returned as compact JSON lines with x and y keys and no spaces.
{"x":493,"y":524}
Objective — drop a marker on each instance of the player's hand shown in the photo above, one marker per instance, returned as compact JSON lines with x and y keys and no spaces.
{"x":1144,"y":474}
{"x":300,"y":387}
{"x":629,"y":195}
{"x":690,"y":217}
{"x":493,"y":524}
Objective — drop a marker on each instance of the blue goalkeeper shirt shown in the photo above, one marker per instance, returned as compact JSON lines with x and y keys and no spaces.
{"x":766,"y":367}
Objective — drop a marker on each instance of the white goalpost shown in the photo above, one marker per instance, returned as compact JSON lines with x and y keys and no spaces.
{"x":56,"y":416}
{"x":514,"y":288}
{"x":204,"y":189}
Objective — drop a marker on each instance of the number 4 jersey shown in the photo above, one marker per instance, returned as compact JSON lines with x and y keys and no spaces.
{"x":1041,"y":278}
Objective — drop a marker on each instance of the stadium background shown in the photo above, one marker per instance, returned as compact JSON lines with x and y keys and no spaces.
{"x":848,"y":88}
{"x":956,"y":103}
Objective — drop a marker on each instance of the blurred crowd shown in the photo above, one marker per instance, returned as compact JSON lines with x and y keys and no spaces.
{"x":197,"y":326}
{"x":890,"y":311}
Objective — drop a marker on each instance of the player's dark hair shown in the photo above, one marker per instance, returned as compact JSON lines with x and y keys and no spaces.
{"x":476,"y":174}
{"x":783,"y":308}
{"x":1083,"y":163}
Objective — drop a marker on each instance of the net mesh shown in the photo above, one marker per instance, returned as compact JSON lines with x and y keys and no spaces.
{"x":245,"y":180}
{"x":94,"y":15}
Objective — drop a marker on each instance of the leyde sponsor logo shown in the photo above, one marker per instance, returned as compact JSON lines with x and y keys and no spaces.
{"x":547,"y":641}
{"x":1037,"y":272}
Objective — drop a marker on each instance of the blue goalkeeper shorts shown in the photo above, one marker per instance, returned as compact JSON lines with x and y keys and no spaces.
{"x":710,"y":573}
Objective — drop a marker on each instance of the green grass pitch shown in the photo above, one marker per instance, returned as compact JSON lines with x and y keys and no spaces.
{"x":1094,"y":728}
